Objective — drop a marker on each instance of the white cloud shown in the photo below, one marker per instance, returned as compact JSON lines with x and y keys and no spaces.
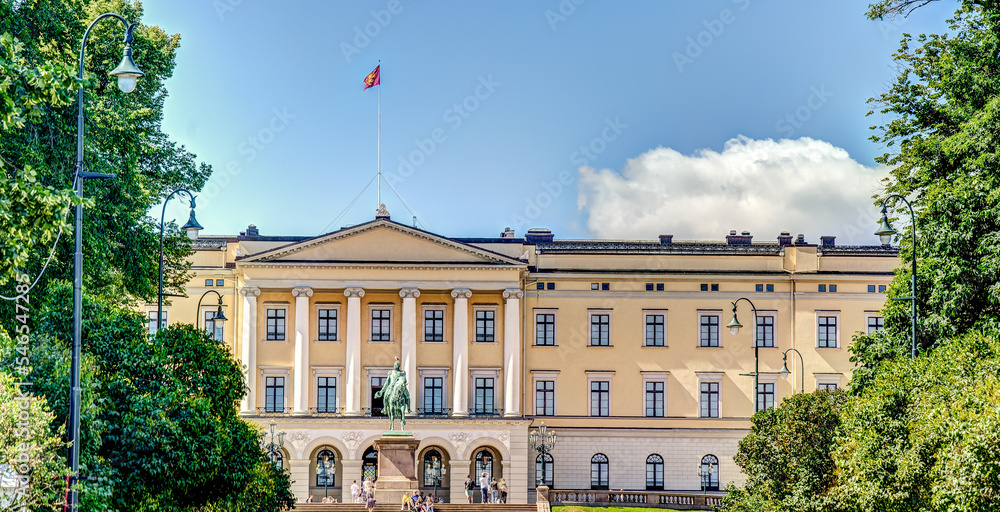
{"x":762,"y":186}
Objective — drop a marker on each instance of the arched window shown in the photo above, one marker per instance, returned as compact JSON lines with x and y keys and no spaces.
{"x":278,"y":461}
{"x":326,"y":468}
{"x":710,"y":473}
{"x":484,"y":464}
{"x":654,"y":473}
{"x":599,"y":471}
{"x":432,"y":467}
{"x":369,"y":464}
{"x":543,"y":469}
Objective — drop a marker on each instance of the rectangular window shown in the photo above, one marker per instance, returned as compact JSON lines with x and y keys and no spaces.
{"x":276,"y":324}
{"x":709,"y":399}
{"x":715,"y":287}
{"x":550,"y":286}
{"x":274,"y":400}
{"x":833,"y":287}
{"x":827,"y":332}
{"x":539,"y":286}
{"x":216,"y":329}
{"x":709,"y":335}
{"x":765,"y":331}
{"x":874,"y":324}
{"x":209,"y":282}
{"x":484,"y":396}
{"x":595,"y":286}
{"x":821,"y":288}
{"x":654,"y":399}
{"x":827,"y":386}
{"x":654,"y":330}
{"x":758,"y":288}
{"x":649,"y":287}
{"x":434,"y":325}
{"x":871,"y":288}
{"x":605,"y":286}
{"x":381,"y":325}
{"x":486,"y":326}
{"x":659,"y":287}
{"x":769,"y":287}
{"x":433,"y":395}
{"x":600,"y":398}
{"x":704,"y":287}
{"x":219,"y":282}
{"x":600,"y":330}
{"x":765,"y":395}
{"x":545,"y":329}
{"x":327,"y":325}
{"x":545,"y":398}
{"x":326,"y":394}
{"x":881,"y":288}
{"x":151,"y":315}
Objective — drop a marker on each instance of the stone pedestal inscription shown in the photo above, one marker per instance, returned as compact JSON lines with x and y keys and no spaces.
{"x":397,"y":469}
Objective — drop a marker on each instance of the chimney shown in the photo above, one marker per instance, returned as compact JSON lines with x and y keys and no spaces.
{"x":801,"y":240}
{"x":666,"y":239}
{"x":784,"y":239}
{"x":827,"y":240}
{"x":252,"y":230}
{"x":742,"y":239}
{"x":538,"y":236}
{"x":507,"y":233}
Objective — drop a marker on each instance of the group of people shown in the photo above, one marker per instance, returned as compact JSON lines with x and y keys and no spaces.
{"x":364,"y":493}
{"x":492,"y":490}
{"x":328,"y":499}
{"x":418,"y":502}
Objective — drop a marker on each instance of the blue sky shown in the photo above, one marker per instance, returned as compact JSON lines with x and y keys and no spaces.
{"x":592,"y":118}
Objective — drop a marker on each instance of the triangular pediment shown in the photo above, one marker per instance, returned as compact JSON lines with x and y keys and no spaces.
{"x":381,"y":241}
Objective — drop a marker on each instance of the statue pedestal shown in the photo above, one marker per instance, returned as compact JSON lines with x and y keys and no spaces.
{"x":397,"y":471}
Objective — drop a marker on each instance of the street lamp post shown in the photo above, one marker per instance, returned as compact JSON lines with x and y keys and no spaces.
{"x":703,"y":475}
{"x":542,"y":441}
{"x":734,"y":326}
{"x":324,"y":473}
{"x":784,"y":371}
{"x":192,"y":227}
{"x":436,"y":466}
{"x":885,"y":232}
{"x":273,"y":447}
{"x":127,"y":74}
{"x":219,"y":315}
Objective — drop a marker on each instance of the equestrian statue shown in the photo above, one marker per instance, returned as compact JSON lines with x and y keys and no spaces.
{"x":395,"y":397}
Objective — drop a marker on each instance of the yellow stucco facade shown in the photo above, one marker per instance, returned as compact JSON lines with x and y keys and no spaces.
{"x":619,"y":346}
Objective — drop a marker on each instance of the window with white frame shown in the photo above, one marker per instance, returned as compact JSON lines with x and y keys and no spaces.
{"x":277,"y":316}
{"x":709,"y":388}
{"x":545,"y":398}
{"x":655,"y":395}
{"x":708,"y":334}
{"x":545,"y":327}
{"x":484,"y":392}
{"x":765,"y":328}
{"x":874,"y":323}
{"x":215,"y":328}
{"x":326,"y":394}
{"x":327,"y":322}
{"x":656,"y":328}
{"x":275,"y":381}
{"x":828,"y":383}
{"x":151,"y":319}
{"x":434,"y":323}
{"x":827,"y":331}
{"x":765,"y":394}
{"x":600,"y":328}
{"x":600,"y":398}
{"x":486,"y":324}
{"x":381,"y":322}
{"x":433,"y":382}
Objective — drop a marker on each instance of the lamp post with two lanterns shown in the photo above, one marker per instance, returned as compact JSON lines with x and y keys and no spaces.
{"x":542,"y":441}
{"x":273,"y":447}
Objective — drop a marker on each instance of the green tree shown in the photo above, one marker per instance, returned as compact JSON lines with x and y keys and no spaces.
{"x":787,"y":456}
{"x":943,"y":130}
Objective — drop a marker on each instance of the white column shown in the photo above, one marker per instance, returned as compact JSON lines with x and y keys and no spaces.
{"x":409,"y":343}
{"x":300,"y":389}
{"x":352,"y":392}
{"x":249,"y":347}
{"x":460,"y":404}
{"x":512,"y":352}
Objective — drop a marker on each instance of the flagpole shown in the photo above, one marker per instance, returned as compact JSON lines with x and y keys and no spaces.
{"x":379,"y":176}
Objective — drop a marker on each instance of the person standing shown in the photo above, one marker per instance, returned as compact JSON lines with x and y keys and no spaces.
{"x":484,"y":487}
{"x":494,"y":491}
{"x":470,"y":487}
{"x":355,"y":492}
{"x":503,"y":490}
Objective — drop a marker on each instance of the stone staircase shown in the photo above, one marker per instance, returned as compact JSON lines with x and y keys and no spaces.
{"x":440,"y":507}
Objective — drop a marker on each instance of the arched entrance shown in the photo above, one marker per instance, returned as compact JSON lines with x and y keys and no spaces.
{"x":369,"y":464}
{"x":485,"y":460}
{"x":432,"y":468}
{"x":325,"y":471}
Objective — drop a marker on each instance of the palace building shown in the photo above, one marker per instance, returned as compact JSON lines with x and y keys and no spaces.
{"x":621,"y":347}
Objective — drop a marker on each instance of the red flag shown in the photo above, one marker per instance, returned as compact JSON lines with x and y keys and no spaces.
{"x":373,"y":78}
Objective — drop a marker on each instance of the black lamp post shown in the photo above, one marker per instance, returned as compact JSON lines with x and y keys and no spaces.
{"x":706,"y":475}
{"x":784,"y":371}
{"x":734,"y":326}
{"x":542,"y":441}
{"x":436,"y":466}
{"x":192,"y":227}
{"x":219,"y":315}
{"x":273,"y":447}
{"x":127,"y":74}
{"x":885,"y":232}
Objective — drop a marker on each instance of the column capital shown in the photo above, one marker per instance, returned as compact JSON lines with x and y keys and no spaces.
{"x":461,"y":293}
{"x":302,"y":291}
{"x":250,"y":291}
{"x":409,"y":293}
{"x":513,"y":294}
{"x":354,"y":292}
